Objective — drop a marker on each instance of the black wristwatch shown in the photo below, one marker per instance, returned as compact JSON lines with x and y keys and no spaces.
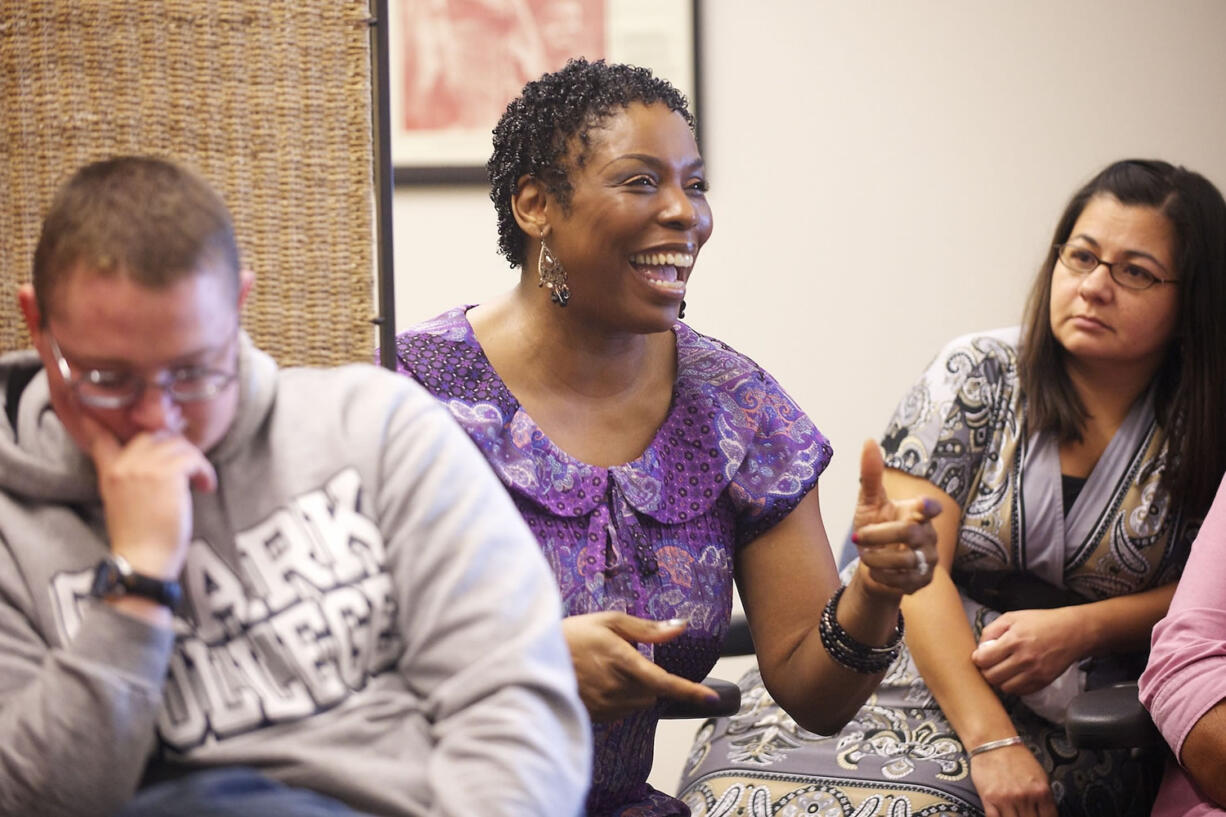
{"x":114,"y":577}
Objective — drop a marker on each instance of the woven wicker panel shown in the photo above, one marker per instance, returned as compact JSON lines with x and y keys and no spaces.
{"x":269,"y":101}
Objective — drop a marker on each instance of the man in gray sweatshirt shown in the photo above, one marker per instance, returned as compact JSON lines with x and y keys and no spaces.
{"x":230,"y":586}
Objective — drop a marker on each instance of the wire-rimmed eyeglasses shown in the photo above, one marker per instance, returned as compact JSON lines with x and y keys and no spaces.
{"x":1128,"y":273}
{"x":117,"y":389}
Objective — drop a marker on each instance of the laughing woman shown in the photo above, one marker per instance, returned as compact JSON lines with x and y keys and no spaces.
{"x":653,"y":462}
{"x":1073,"y":461}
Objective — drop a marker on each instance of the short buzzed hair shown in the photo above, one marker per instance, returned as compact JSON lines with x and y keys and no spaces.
{"x":138,"y":216}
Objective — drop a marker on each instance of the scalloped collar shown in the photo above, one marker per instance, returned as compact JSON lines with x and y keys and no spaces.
{"x":666,"y":482}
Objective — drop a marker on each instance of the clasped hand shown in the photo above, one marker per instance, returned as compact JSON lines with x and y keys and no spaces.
{"x":895,"y":538}
{"x":1019,"y":653}
{"x":1025,"y":650}
{"x":615,"y":679}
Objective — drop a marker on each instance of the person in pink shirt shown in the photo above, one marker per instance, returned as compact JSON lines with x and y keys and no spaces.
{"x":1184,"y":683}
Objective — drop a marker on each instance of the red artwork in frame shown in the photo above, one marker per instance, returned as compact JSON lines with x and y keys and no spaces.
{"x":455,"y":64}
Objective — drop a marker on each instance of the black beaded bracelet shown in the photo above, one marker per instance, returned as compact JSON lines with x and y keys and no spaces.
{"x":848,"y":651}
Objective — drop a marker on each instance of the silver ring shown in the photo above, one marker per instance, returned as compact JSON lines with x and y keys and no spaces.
{"x":921,"y":562}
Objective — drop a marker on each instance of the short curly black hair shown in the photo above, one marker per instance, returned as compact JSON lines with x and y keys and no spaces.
{"x":532,"y":136}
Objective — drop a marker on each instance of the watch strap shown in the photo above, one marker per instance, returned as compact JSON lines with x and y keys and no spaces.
{"x":114,"y":578}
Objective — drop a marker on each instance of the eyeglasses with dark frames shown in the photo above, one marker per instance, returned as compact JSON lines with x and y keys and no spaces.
{"x":1127,"y":273}
{"x":117,"y":389}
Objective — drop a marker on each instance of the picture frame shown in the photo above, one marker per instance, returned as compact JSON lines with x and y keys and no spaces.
{"x":453,"y":67}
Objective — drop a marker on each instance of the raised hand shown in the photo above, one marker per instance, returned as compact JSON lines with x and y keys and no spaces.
{"x":615,"y":679}
{"x":896,"y":539}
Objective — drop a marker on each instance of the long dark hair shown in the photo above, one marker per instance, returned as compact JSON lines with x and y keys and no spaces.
{"x":1190,"y":386}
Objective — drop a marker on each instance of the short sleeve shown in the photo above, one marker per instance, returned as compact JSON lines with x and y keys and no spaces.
{"x":944,"y":425}
{"x":1186,"y":673}
{"x":784,"y":457}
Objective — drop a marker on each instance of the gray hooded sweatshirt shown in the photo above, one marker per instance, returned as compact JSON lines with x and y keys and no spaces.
{"x":365,"y":615}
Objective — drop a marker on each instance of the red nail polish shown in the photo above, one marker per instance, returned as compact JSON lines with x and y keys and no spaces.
{"x":855,"y":538}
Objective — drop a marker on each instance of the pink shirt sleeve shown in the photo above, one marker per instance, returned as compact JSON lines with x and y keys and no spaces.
{"x":1186,"y":675}
{"x":1179,"y":796}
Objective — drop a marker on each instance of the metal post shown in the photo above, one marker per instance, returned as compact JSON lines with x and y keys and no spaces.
{"x":381,"y":115}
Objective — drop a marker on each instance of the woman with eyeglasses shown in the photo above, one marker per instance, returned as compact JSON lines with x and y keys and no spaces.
{"x":1074,"y":458}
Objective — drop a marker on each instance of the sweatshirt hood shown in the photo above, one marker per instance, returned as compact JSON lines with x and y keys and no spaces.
{"x":40,"y":461}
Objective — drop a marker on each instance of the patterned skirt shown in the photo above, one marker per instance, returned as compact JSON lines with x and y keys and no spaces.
{"x":898,"y":757}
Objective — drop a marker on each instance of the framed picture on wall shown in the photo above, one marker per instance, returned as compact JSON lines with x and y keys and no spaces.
{"x":455,"y":64}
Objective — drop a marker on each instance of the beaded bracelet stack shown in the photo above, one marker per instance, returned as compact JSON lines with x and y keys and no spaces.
{"x":851,"y":653}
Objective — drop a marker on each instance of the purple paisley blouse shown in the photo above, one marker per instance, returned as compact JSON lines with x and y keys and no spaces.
{"x":654,"y":537}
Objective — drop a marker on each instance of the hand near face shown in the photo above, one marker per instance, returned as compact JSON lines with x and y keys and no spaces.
{"x":896,"y":539}
{"x":146,"y":487}
{"x":615,"y":679}
{"x":1023,"y":651}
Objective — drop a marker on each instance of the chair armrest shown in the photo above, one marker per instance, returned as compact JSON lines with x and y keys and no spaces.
{"x":1110,"y":718}
{"x":728,"y":704}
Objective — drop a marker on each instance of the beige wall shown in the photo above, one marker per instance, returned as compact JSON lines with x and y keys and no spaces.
{"x":885,"y":175}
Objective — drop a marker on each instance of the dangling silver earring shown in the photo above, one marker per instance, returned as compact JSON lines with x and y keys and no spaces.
{"x":553,"y":275}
